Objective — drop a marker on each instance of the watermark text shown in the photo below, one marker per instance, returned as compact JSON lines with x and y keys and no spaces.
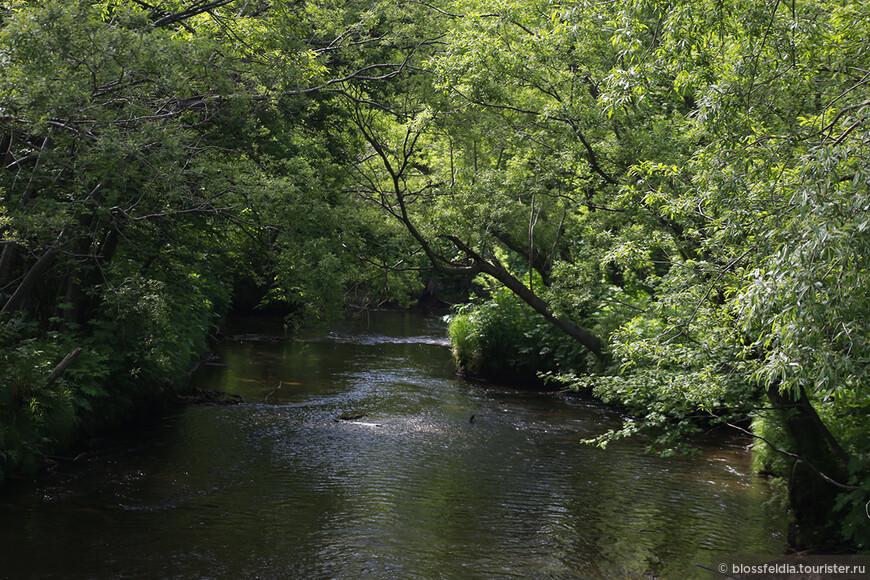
{"x":791,"y":567}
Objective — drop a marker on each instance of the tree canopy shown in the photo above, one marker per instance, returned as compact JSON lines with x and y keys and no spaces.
{"x":663,"y":203}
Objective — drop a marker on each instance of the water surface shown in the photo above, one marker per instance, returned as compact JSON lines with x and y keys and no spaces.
{"x":278,"y":488}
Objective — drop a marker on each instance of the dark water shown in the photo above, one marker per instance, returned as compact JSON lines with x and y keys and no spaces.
{"x":276,"y":488}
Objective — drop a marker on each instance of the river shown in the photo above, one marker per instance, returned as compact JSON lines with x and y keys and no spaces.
{"x":281,"y":487}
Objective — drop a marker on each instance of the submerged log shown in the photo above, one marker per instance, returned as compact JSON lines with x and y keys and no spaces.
{"x":197,"y":396}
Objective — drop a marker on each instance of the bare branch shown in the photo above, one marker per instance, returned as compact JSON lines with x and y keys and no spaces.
{"x":798,"y":458}
{"x":197,"y":8}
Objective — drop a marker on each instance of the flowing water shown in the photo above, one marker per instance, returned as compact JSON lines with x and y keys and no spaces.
{"x":281,"y":487}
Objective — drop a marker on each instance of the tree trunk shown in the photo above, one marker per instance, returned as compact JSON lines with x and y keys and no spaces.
{"x":62,"y":366}
{"x":811,"y":497}
{"x":6,"y":155}
{"x":6,"y":259}
{"x":500,"y":273}
{"x":474,"y":262}
{"x":538,"y":261}
{"x":34,"y":275}
{"x":569,"y":327}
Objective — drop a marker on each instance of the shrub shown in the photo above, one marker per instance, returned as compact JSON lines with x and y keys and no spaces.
{"x":504,"y":339}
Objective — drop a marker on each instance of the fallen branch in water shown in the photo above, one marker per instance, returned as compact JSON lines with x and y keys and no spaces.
{"x":272,"y":392}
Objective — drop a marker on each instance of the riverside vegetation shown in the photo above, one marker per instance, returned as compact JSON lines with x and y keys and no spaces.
{"x":662,"y":203}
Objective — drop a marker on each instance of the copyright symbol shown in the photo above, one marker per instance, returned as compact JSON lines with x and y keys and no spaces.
{"x":723,"y":568}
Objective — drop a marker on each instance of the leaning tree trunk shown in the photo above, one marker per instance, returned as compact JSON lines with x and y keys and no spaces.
{"x":34,"y":275}
{"x":539,"y":305}
{"x":10,"y":250}
{"x":495,"y":269}
{"x":474,"y":262}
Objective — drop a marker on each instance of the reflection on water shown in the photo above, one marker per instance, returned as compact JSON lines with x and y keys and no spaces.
{"x":279,"y":488}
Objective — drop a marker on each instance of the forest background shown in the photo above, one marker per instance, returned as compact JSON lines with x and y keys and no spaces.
{"x":663,"y":204}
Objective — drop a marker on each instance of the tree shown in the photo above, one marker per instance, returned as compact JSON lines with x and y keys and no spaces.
{"x":676,"y":174}
{"x":679,"y":187}
{"x":755,"y":320}
{"x":142,"y":175}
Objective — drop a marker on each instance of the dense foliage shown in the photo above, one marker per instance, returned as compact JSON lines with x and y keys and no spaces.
{"x":688,"y":184}
{"x":154,"y":159}
{"x":502,"y":338}
{"x":668,"y":201}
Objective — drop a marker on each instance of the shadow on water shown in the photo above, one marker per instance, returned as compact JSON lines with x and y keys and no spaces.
{"x":281,"y":487}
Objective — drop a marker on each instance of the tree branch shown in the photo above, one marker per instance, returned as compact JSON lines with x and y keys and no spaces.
{"x":815,"y":469}
{"x":197,"y":8}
